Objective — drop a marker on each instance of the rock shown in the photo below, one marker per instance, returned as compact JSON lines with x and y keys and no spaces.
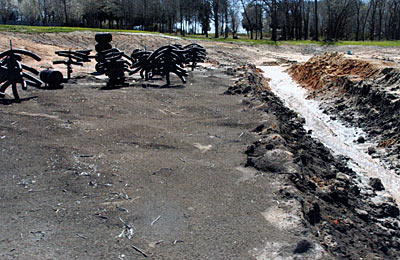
{"x":375,"y":130}
{"x":341,"y":107}
{"x":302,"y":247}
{"x":259,"y":128}
{"x":275,"y":140}
{"x":376,"y":184}
{"x":277,"y":161}
{"x":246,"y":90}
{"x":342,"y":177}
{"x":362,"y":214}
{"x":306,"y":158}
{"x":230,"y":71}
{"x":329,"y":241}
{"x":371,"y":150}
{"x":361,"y":140}
{"x":250,"y":149}
{"x":391,"y":210}
{"x":393,"y":225}
{"x":338,"y":195}
{"x":312,"y":213}
{"x":269,"y":146}
{"x":385,"y":210}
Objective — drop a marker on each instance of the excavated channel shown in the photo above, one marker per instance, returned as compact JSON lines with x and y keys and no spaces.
{"x":339,"y":138}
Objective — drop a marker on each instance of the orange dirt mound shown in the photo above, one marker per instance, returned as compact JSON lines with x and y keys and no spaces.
{"x":319,"y":70}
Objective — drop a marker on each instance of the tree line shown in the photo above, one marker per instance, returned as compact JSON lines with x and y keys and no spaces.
{"x":276,"y":19}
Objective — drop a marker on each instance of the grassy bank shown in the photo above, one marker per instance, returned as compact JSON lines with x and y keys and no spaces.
{"x":341,"y":43}
{"x":54,"y":29}
{"x":241,"y":37}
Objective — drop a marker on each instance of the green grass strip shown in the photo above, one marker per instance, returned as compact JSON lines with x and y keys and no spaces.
{"x":53,"y":29}
{"x":242,"y":38}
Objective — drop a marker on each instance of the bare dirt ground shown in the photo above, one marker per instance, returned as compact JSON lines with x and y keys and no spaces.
{"x":182,"y":172}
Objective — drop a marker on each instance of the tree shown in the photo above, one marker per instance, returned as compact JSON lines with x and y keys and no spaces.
{"x":392,"y":25}
{"x":6,"y":10}
{"x":234,"y":18}
{"x":91,"y":13}
{"x":358,"y":5}
{"x":204,"y":16}
{"x":216,"y":4}
{"x":316,"y":33}
{"x":381,"y":11}
{"x":29,"y":10}
{"x":65,"y":9}
{"x":291,"y":19}
{"x":226,"y":13}
{"x":372,"y":22}
{"x":248,"y":21}
{"x":338,"y":12}
{"x":306,"y":18}
{"x":170,"y":8}
{"x":271,"y":7}
{"x":258,"y":19}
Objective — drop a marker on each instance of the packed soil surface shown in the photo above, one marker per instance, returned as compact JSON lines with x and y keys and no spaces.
{"x":217,"y":168}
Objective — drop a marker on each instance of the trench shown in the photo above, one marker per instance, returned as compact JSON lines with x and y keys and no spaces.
{"x":341,"y":139}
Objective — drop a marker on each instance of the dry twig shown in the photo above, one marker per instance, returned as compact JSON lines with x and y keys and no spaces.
{"x":140,"y":251}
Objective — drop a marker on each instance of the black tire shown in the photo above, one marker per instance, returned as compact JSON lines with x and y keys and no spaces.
{"x":99,"y":68}
{"x":116,"y":74}
{"x":98,"y":59}
{"x":119,"y":63}
{"x":53,"y":77}
{"x":102,"y":47}
{"x":103,"y":37}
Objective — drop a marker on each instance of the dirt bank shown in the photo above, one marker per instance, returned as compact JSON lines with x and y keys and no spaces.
{"x":363,"y":93}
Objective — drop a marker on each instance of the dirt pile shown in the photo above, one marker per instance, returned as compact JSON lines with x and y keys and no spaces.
{"x":364,"y":94}
{"x":249,"y":76}
{"x":349,"y":221}
{"x":325,"y":69}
